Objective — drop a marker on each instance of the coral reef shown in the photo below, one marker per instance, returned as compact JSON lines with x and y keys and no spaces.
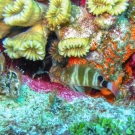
{"x":22,"y":13}
{"x":98,"y":7}
{"x":32,"y":47}
{"x":3,"y":4}
{"x":59,"y":12}
{"x":77,"y":47}
{"x":67,"y":67}
{"x":55,"y":52}
{"x":131,"y":11}
{"x":10,"y":82}
{"x":113,"y":7}
{"x":118,"y":7}
{"x":102,"y":39}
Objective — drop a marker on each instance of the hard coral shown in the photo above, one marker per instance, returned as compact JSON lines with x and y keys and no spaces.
{"x":131,"y":10}
{"x":118,"y":7}
{"x":59,"y":12}
{"x":32,"y":47}
{"x":98,"y":7}
{"x":3,"y":4}
{"x":23,"y":13}
{"x":77,"y":47}
{"x":54,"y":52}
{"x":75,"y":38}
{"x":113,"y":7}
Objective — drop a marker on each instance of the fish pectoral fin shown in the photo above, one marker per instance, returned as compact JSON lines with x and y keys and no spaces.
{"x":77,"y":88}
{"x":80,"y":88}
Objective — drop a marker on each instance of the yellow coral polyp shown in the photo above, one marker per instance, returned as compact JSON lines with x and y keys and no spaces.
{"x":12,"y":46}
{"x":76,"y":47}
{"x":113,"y":7}
{"x":4,"y":3}
{"x":98,"y":7}
{"x":23,"y":13}
{"x":118,"y":7}
{"x":30,"y":44}
{"x":59,"y":12}
{"x":33,"y":50}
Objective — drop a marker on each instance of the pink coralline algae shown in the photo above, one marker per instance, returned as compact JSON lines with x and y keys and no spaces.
{"x":132,"y":64}
{"x":46,"y":86}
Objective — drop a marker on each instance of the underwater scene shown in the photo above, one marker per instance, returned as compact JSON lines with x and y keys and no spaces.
{"x":67,"y":67}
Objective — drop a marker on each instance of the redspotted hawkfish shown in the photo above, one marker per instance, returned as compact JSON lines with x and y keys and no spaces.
{"x":79,"y":76}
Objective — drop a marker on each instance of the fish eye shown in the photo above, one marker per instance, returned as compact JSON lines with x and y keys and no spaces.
{"x":100,"y":78}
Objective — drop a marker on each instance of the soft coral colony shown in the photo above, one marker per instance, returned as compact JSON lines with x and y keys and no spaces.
{"x":95,"y":40}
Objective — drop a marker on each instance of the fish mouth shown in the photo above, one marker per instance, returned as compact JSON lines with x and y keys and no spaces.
{"x":77,"y":47}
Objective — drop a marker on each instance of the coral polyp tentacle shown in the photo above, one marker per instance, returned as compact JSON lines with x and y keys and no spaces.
{"x":77,"y":47}
{"x":118,"y":7}
{"x":59,"y":12}
{"x":3,"y":4}
{"x":23,"y":13}
{"x":32,"y":47}
{"x":33,"y":50}
{"x":113,"y":7}
{"x":54,"y":52}
{"x":98,"y":7}
{"x":11,"y":46}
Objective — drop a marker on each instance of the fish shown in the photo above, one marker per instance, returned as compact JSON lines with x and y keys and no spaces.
{"x":84,"y":76}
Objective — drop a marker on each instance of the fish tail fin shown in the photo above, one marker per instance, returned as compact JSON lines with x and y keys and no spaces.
{"x":113,"y":88}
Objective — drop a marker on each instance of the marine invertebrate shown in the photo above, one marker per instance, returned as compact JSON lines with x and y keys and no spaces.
{"x":55,"y":52}
{"x":23,"y":13}
{"x":76,"y":47}
{"x":32,"y":47}
{"x":12,"y":50}
{"x":4,"y":29}
{"x":3,"y":4}
{"x":113,"y":7}
{"x":59,"y":12}
{"x":118,"y":7}
{"x":75,"y":39}
{"x":98,"y":7}
{"x":88,"y":42}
